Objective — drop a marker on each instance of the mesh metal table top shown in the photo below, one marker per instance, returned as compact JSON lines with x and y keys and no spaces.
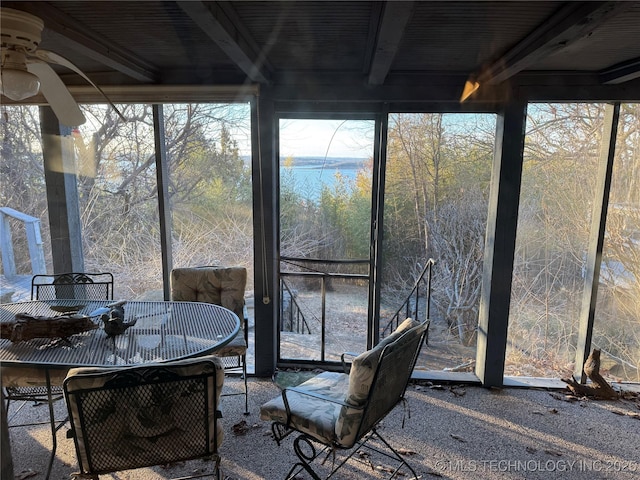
{"x":163,"y":331}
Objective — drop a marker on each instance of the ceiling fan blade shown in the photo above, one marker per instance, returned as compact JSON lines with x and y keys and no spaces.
{"x":56,"y":93}
{"x":52,"y":57}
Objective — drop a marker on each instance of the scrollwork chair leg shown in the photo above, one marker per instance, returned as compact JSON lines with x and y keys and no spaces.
{"x":300,"y":444}
{"x":280,"y":431}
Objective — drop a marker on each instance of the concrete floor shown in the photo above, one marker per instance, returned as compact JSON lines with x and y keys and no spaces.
{"x":450,"y":432}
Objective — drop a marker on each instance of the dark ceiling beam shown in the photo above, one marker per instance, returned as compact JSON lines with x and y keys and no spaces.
{"x":571,"y":22}
{"x":374,"y":23}
{"x":395,"y":16}
{"x":219,"y":22}
{"x":76,"y":36}
{"x":622,"y":72}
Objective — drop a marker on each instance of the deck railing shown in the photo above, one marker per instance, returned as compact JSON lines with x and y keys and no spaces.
{"x":411,"y":306}
{"x":308,"y":270}
{"x":417,"y":304}
{"x":291,"y":316}
{"x":34,"y":242}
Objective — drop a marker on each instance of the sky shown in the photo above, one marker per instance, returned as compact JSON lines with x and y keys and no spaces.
{"x":331,"y":138}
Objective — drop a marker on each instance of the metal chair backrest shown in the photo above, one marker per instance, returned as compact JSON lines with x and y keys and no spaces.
{"x":392,"y":376}
{"x":146,"y":415}
{"x":92,"y":286}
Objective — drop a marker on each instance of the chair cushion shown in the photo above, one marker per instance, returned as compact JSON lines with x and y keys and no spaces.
{"x":150,"y":427}
{"x":219,"y":285}
{"x":19,"y":377}
{"x":311,"y":415}
{"x":333,"y":422}
{"x":361,"y":376}
{"x":364,"y":366}
{"x":223,"y":286}
{"x":236,"y":347}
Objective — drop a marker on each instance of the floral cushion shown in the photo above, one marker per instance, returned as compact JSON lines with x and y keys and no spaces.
{"x":311,"y":415}
{"x":361,"y":376}
{"x":219,"y":285}
{"x":128,"y":429}
{"x":235,"y":348}
{"x":364,"y":366}
{"x":223,"y":286}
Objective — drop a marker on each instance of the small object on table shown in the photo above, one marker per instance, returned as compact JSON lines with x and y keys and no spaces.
{"x":66,"y":309}
{"x":98,"y":312}
{"x":114,"y":323}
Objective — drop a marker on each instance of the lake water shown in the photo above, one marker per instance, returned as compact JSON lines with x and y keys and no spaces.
{"x":309,"y":179}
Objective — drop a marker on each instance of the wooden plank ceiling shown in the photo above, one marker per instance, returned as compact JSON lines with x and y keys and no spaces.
{"x":341,"y":42}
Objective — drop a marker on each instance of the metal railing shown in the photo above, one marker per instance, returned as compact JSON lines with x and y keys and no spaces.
{"x":411,"y":306}
{"x":291,"y":316}
{"x":417,"y":304}
{"x":308,"y":269}
{"x":34,"y":241}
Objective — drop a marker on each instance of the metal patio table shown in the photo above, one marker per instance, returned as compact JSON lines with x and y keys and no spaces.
{"x":163,"y":331}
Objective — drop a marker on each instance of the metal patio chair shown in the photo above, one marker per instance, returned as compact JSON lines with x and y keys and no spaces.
{"x":340,"y":411}
{"x":91,"y":286}
{"x":223,"y":286}
{"x":154,"y":414}
{"x":72,"y":285}
{"x":32,"y":385}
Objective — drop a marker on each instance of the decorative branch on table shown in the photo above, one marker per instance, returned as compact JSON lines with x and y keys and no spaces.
{"x":26,"y":327}
{"x":600,"y":388}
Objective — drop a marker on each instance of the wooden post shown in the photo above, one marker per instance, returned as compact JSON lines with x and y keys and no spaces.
{"x":267,"y":295}
{"x":62,"y":194}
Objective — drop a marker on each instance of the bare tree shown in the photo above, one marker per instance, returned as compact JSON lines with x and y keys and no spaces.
{"x":457,"y":237}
